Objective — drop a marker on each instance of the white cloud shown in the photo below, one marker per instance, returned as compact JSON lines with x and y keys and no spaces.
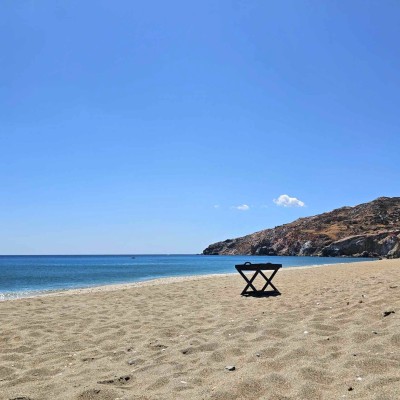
{"x":216,"y":206}
{"x":286,"y":201}
{"x":243,"y":207}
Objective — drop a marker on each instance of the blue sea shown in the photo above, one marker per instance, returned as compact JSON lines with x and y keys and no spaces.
{"x":22,"y":276}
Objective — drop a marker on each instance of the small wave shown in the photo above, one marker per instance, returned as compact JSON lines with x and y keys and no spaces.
{"x":4,"y":296}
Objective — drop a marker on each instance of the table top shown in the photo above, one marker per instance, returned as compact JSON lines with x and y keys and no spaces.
{"x":254,"y":267}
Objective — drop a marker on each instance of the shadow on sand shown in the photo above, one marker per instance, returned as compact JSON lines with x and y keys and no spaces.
{"x":261,"y":294}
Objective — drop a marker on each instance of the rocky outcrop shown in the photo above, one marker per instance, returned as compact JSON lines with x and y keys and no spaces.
{"x":367,"y":230}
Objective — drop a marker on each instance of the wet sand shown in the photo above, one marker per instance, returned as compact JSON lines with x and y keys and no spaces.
{"x":325,"y":337}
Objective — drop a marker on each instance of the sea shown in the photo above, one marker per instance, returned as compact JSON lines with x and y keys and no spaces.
{"x":26,"y":276}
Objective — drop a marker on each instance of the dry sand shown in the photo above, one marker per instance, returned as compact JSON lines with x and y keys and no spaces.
{"x":325,"y":337}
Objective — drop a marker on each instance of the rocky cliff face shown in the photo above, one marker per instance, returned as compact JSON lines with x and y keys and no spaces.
{"x":367,"y":230}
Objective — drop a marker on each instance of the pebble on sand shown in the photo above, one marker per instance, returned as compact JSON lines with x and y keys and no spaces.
{"x":230,"y":367}
{"x":121,"y":379}
{"x":386,"y":313}
{"x":21,"y":398}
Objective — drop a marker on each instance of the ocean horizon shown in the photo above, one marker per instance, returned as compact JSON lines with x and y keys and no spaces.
{"x":31,"y":275}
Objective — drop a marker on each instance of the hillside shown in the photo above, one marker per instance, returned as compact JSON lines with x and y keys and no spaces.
{"x":366,"y":230}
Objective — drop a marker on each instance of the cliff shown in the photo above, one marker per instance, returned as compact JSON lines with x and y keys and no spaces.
{"x":367,"y":230}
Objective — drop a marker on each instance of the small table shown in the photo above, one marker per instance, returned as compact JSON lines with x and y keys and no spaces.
{"x":258,"y":269}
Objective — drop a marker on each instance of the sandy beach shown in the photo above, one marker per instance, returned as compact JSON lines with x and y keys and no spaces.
{"x":325,"y":337}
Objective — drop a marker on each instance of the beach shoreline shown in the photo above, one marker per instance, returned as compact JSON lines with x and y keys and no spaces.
{"x":149,"y":282}
{"x":333,"y":333}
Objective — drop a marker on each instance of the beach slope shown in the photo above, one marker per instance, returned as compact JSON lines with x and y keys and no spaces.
{"x":331,"y":334}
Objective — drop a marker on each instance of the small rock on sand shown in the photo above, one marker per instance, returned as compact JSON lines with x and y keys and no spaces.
{"x":230,"y":367}
{"x":21,"y":398}
{"x":121,"y":379}
{"x":386,"y":313}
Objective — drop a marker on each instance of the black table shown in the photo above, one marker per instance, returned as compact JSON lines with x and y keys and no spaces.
{"x":258,"y":270}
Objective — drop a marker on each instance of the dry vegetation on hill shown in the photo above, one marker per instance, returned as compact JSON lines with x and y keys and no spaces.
{"x":368,"y":230}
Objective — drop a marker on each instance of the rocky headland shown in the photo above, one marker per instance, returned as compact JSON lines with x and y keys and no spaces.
{"x":366,"y":230}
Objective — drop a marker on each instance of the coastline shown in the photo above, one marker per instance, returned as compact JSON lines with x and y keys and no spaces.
{"x":152,"y":282}
{"x":117,"y":287}
{"x":325,"y":336}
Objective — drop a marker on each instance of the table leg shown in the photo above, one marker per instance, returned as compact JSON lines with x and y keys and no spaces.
{"x":249,"y":282}
{"x":269,"y":281}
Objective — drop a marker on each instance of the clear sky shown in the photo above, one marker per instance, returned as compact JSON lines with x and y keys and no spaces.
{"x":163,"y":126}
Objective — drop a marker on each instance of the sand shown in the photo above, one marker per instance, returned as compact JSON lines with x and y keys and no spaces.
{"x":325,"y":337}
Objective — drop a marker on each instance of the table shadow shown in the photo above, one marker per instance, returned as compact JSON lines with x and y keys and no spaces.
{"x":261,"y":294}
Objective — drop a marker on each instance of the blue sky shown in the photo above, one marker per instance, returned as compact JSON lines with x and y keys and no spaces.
{"x":140,"y":127}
